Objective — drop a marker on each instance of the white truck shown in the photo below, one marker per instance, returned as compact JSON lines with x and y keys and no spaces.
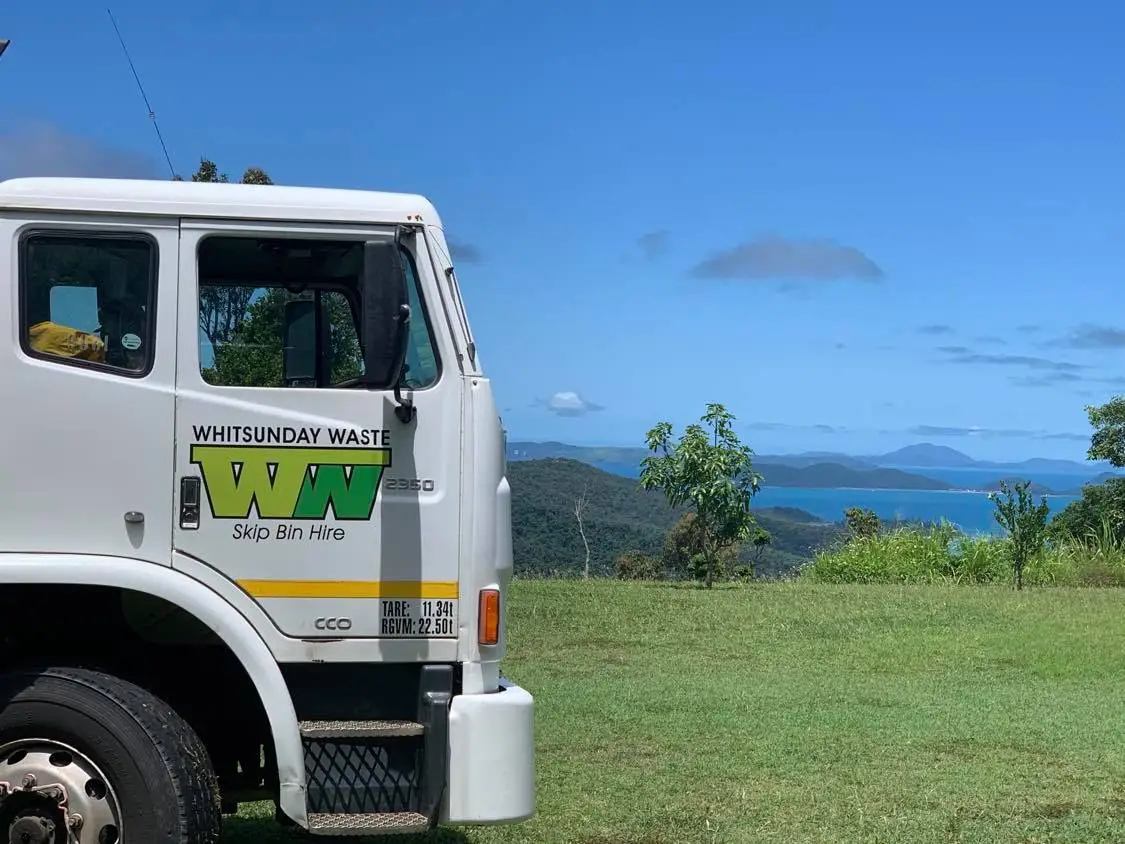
{"x":255,"y":531}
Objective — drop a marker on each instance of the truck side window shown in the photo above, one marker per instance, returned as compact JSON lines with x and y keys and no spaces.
{"x":244,"y":283}
{"x":86,"y":299}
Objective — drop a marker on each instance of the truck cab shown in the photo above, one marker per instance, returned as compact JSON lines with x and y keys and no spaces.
{"x":253,"y":474}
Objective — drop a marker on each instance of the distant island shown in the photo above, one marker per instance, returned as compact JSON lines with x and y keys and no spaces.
{"x":827,"y":470}
{"x":837,"y":476}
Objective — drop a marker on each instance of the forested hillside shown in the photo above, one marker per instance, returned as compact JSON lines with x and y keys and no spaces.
{"x":619,"y":516}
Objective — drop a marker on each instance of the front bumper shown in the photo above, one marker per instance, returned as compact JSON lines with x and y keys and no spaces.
{"x":491,"y":757}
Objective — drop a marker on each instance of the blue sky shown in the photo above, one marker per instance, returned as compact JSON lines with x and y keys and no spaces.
{"x":858,"y":225}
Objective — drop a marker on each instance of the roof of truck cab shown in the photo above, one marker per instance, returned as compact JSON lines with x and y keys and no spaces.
{"x":215,"y":200}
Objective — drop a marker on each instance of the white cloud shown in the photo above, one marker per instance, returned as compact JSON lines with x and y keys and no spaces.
{"x":570,"y":403}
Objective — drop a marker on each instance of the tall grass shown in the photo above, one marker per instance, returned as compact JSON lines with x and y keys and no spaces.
{"x":1096,"y":558}
{"x":945,"y":554}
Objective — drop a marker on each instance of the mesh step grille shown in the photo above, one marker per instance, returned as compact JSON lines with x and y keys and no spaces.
{"x":364,"y":729}
{"x":383,"y":823}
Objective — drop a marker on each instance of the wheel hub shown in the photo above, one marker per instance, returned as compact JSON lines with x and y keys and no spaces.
{"x":31,"y":829}
{"x":52,"y":794}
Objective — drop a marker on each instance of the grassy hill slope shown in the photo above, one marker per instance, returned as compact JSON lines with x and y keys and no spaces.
{"x":786,"y":713}
{"x":621,"y":517}
{"x":805,"y":714}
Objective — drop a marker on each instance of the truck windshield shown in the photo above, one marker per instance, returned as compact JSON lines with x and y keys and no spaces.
{"x":244,"y":284}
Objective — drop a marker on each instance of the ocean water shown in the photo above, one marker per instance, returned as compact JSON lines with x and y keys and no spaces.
{"x":971,"y":511}
{"x":1058,"y":481}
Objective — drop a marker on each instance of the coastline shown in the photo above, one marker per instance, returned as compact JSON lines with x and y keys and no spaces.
{"x":970,"y":509}
{"x":959,"y":490}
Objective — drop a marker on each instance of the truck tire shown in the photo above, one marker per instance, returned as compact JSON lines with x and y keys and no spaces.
{"x":131,"y":767}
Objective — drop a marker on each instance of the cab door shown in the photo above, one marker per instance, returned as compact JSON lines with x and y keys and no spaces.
{"x":338,"y":517}
{"x":87,"y":376}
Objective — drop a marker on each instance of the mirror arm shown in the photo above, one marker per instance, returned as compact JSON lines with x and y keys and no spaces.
{"x":405,"y":411}
{"x":404,"y":405}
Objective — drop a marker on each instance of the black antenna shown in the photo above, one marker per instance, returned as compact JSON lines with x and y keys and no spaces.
{"x":144,"y":96}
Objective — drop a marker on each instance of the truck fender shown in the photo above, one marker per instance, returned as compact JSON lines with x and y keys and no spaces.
{"x":210,"y":609}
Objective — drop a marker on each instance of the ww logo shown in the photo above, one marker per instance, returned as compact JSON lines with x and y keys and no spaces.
{"x":291,"y":483}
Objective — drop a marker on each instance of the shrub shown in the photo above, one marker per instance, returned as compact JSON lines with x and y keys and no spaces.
{"x":946,"y":554}
{"x":912,"y":555}
{"x":743,"y":572}
{"x":1101,"y":509}
{"x":862,"y":522}
{"x":685,"y":551}
{"x":635,"y":565}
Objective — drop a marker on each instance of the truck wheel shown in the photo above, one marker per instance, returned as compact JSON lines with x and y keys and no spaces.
{"x":102,"y":757}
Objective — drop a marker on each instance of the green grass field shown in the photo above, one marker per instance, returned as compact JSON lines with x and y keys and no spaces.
{"x":815,"y":713}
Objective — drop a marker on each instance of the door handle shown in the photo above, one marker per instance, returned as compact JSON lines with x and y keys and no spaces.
{"x":189,"y":503}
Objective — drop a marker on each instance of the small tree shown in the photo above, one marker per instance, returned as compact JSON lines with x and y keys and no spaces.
{"x":862,"y":523}
{"x":1025,"y":522}
{"x":579,"y":511}
{"x":1108,"y":440}
{"x":711,"y":473}
{"x":1100,"y":511}
{"x":760,"y":540}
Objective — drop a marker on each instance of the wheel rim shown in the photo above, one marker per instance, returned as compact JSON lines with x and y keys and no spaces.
{"x":50,"y":793}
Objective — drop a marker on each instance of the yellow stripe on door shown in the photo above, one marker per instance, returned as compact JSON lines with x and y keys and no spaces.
{"x":351,"y":588}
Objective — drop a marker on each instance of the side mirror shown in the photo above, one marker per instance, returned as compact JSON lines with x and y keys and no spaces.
{"x":301,"y":362}
{"x":385,"y":317}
